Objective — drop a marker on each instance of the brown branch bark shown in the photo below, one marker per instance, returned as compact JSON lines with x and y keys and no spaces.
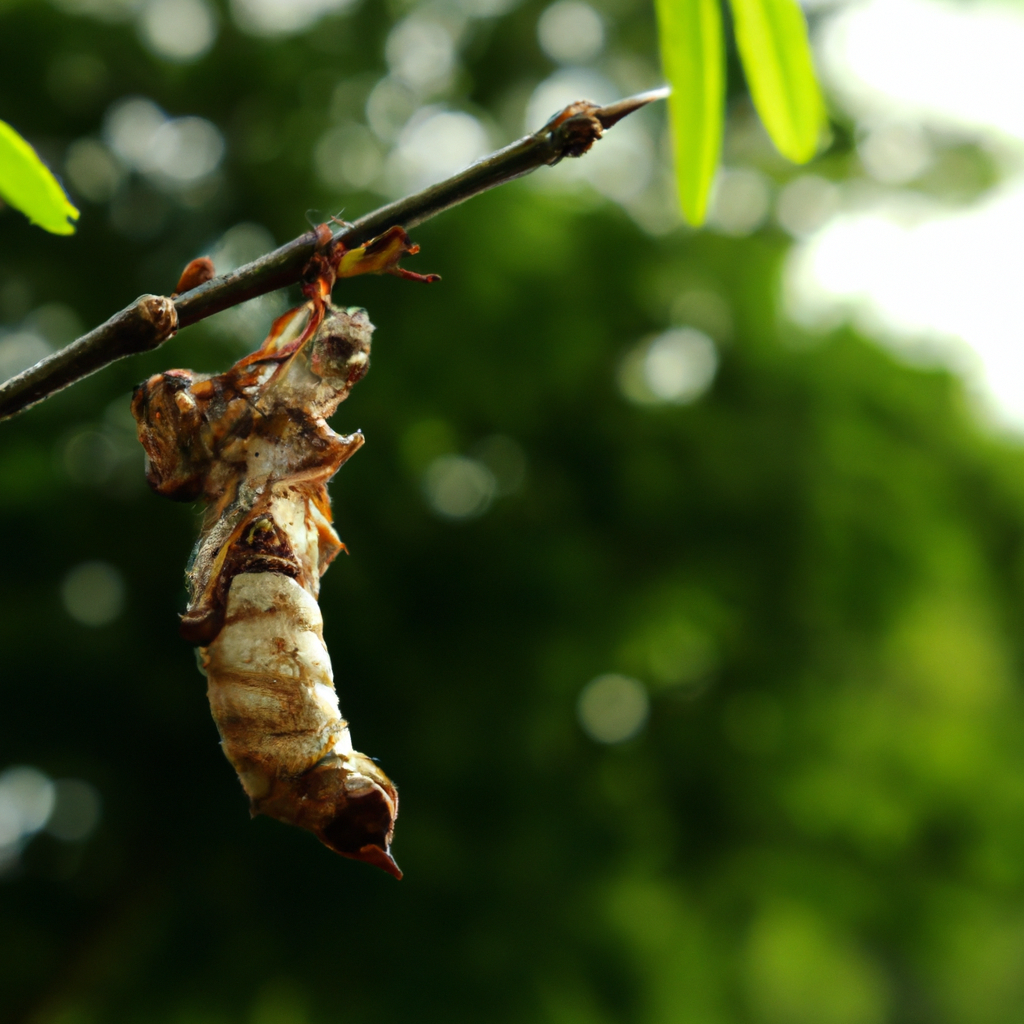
{"x":152,"y":319}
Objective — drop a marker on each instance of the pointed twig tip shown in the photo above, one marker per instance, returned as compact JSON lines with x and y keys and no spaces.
{"x":615,"y":112}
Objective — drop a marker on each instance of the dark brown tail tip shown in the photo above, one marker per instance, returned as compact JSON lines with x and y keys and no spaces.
{"x":378,"y":858}
{"x":362,"y":830}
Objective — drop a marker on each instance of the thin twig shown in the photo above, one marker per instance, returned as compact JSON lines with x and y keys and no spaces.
{"x":151,"y":320}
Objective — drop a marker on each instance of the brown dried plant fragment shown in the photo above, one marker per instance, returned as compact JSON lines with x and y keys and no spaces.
{"x":198,"y":272}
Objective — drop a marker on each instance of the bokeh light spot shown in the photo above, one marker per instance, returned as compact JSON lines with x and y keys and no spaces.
{"x":178,"y":30}
{"x":677,"y":367}
{"x":895,"y":153}
{"x":805,"y":204}
{"x":458,"y":487}
{"x":57,"y":322}
{"x":92,"y":170}
{"x":47,"y":327}
{"x":130,"y":126}
{"x":612,"y":708}
{"x":68,"y":809}
{"x":239,"y":245}
{"x":433,"y":145}
{"x":421,"y":54}
{"x":93,"y":593}
{"x":26,"y":800}
{"x":174,"y":153}
{"x":90,"y":456}
{"x":348,"y":157}
{"x":389,"y":107}
{"x":185,"y":149}
{"x":741,"y":201}
{"x":282,"y":17}
{"x":571,"y":32}
{"x":248,"y":322}
{"x":19,"y":350}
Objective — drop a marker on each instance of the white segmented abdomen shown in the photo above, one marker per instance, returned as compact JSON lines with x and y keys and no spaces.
{"x":271,"y":688}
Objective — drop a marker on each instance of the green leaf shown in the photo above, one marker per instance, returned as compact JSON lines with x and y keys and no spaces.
{"x":772,"y":39}
{"x":27,"y":184}
{"x":693,"y":59}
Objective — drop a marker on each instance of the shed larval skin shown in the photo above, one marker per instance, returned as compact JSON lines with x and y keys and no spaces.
{"x":254,"y":445}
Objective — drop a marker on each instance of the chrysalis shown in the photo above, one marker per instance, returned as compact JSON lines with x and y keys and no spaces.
{"x":253,"y":444}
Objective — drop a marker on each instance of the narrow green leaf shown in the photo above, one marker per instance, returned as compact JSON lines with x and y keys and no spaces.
{"x":693,"y":59}
{"x":27,"y":184}
{"x":772,"y":39}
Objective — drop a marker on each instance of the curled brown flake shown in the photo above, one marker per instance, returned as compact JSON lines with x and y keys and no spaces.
{"x":198,"y":272}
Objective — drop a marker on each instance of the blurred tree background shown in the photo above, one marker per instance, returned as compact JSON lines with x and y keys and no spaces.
{"x":691,"y":638}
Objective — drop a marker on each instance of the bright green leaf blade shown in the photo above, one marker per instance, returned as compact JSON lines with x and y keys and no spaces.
{"x":772,"y":39}
{"x":693,"y":59}
{"x":27,"y":184}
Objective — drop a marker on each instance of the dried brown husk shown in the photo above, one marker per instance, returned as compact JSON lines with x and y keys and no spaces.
{"x":253,"y":444}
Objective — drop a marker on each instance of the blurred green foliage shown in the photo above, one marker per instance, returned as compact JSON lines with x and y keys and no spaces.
{"x":814,"y":568}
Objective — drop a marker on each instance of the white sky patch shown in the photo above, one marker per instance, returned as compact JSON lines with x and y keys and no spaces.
{"x":934,"y":281}
{"x":950,"y":66}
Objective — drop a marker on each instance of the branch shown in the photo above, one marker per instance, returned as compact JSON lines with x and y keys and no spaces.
{"x":149,"y":321}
